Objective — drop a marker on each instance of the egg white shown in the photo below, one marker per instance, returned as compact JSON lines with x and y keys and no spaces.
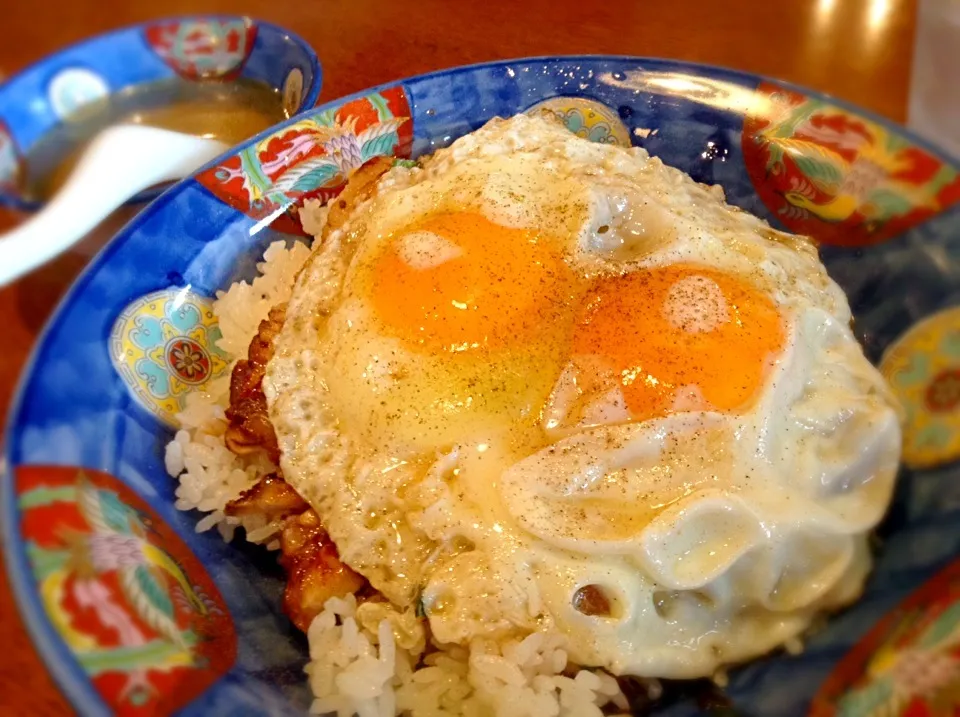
{"x":715,"y":536}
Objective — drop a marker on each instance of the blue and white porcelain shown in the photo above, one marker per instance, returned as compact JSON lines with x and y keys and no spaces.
{"x":134,"y":335}
{"x":202,"y":46}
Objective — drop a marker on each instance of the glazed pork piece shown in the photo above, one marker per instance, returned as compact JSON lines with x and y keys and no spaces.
{"x":314,"y":570}
{"x":249,"y":427}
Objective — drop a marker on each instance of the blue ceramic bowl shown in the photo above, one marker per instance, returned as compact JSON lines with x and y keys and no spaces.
{"x":94,"y":409}
{"x":193,"y":47}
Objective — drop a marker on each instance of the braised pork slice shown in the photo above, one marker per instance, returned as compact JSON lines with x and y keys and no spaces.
{"x":314,"y":571}
{"x":249,"y":428}
{"x":272,"y":498}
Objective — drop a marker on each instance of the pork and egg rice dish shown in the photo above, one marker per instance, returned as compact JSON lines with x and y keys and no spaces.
{"x":534,"y":416}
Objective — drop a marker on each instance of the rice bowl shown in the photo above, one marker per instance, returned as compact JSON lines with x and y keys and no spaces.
{"x":87,"y":416}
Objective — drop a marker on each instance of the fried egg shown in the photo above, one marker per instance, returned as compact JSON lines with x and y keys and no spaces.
{"x":541,"y":384}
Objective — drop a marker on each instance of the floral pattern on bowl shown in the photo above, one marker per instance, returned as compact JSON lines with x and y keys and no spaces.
{"x":312,"y":157}
{"x":923,"y":368}
{"x":847,"y":180}
{"x":164,"y":346}
{"x":144,"y":619}
{"x":586,"y":118}
{"x":206,"y":48}
{"x":908,"y":664}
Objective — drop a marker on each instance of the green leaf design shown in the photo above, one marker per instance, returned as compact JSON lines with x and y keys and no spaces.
{"x":934,"y":435}
{"x":307,"y":175}
{"x":328,"y":118}
{"x":944,"y":176}
{"x":45,"y":562}
{"x":90,"y":505}
{"x":776,"y":155}
{"x":380,"y":105}
{"x":252,"y":172}
{"x":315,"y":178}
{"x":116,"y":514}
{"x":894,"y":143}
{"x":154,"y":654}
{"x":379,"y":146}
{"x":825,"y":174}
{"x":889,"y":204}
{"x":916,"y":371}
{"x":798,"y":116}
{"x":863,"y":702}
{"x":146,"y":592}
{"x":379,"y":139}
{"x":943,"y":628}
{"x":154,"y":590}
{"x":950,"y":344}
{"x":45,"y":495}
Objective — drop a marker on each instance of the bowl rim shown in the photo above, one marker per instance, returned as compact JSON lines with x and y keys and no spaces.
{"x":13,"y":200}
{"x":75,"y":689}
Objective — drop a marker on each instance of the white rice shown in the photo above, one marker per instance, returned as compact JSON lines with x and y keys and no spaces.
{"x":210,"y":475}
{"x":358,"y":668}
{"x":368,"y":660}
{"x":242,"y":307}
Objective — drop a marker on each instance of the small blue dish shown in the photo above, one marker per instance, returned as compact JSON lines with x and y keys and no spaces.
{"x":85,"y":438}
{"x":192,"y":47}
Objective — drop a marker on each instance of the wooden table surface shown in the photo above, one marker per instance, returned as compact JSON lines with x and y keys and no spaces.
{"x":859,"y":50}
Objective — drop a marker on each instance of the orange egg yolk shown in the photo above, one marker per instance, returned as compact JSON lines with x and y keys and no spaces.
{"x":459,"y":282}
{"x":680,"y":331}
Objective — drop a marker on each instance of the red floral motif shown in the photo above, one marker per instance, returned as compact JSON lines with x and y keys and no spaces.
{"x":206,"y":48}
{"x":908,"y":665}
{"x":943,"y":394}
{"x":188,"y":359}
{"x":312,"y":158}
{"x":839,"y":178}
{"x":130,"y":601}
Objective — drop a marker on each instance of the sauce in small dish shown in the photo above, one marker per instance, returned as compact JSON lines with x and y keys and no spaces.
{"x":228,"y":111}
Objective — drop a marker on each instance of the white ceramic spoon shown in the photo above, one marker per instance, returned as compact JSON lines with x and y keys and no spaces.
{"x":119,"y":162}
